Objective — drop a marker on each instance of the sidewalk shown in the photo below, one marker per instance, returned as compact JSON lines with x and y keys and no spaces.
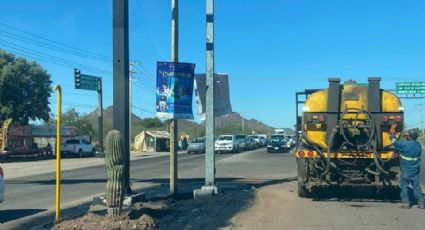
{"x":22,"y":169}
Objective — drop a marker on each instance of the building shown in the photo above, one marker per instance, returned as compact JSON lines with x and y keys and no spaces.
{"x":152,"y":141}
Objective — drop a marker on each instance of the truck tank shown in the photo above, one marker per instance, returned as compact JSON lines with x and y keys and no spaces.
{"x":345,"y":137}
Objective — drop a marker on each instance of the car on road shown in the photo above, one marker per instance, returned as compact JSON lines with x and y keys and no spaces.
{"x":292,"y":140}
{"x":257,"y":140}
{"x":226,"y":143}
{"x":196,"y":146}
{"x":278,"y":143}
{"x":252,"y":144}
{"x":1,"y":185}
{"x":263,"y":140}
{"x":78,"y":148}
{"x":242,"y":141}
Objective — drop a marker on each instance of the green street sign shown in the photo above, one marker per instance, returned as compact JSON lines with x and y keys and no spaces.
{"x":87,"y":82}
{"x":410,"y":88}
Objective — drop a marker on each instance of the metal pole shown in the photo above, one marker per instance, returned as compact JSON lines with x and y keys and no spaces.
{"x":130,"y":106}
{"x":210,"y":187}
{"x":57,"y":88}
{"x":243,"y":124}
{"x":173,"y":123}
{"x":100,"y":113}
{"x":121,"y":81}
{"x":210,"y":155}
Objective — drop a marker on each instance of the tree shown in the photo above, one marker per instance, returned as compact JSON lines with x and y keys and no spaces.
{"x":24,"y":90}
{"x":152,"y":123}
{"x":81,"y":122}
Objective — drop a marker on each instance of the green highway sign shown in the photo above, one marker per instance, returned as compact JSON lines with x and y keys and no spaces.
{"x":87,"y":82}
{"x":410,"y":88}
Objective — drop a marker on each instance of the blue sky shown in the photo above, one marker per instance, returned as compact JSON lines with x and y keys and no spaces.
{"x":270,"y":48}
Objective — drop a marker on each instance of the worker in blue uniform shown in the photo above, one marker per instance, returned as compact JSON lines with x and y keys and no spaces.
{"x":410,"y":163}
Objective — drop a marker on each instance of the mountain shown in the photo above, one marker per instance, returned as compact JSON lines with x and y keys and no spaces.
{"x":231,"y":123}
{"x":235,"y":123}
{"x":142,"y":124}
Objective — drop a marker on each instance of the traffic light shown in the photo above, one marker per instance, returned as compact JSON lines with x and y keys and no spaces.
{"x":77,"y":79}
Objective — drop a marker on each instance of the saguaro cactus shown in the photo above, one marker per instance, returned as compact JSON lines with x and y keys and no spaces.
{"x":115,"y":170}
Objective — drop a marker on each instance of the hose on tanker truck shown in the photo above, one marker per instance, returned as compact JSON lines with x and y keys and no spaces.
{"x":316,"y":147}
{"x":328,"y":156}
{"x":376,"y":161}
{"x":372,"y":137}
{"x":372,"y":128}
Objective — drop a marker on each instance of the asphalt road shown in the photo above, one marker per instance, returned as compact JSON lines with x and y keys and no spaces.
{"x":34,"y":194}
{"x":274,"y":203}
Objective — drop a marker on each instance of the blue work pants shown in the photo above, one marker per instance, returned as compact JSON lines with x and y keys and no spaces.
{"x":405,"y":180}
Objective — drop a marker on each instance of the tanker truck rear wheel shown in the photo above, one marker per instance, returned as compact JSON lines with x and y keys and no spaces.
{"x":302,"y":172}
{"x":303,"y":191}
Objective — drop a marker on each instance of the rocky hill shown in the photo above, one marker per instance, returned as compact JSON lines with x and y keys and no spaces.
{"x":231,"y":123}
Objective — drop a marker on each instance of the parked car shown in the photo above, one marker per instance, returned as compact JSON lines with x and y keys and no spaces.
{"x":252,"y":144}
{"x":78,"y":148}
{"x":227,"y":143}
{"x":278,"y":143}
{"x":196,"y":146}
{"x":242,"y":140}
{"x":1,"y":185}
{"x":292,"y":140}
{"x":263,"y":140}
{"x":257,"y":139}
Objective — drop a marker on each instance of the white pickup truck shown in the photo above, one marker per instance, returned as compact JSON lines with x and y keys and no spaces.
{"x":78,"y":148}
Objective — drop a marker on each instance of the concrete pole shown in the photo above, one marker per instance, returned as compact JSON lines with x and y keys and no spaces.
{"x":121,"y":80}
{"x":174,"y":146}
{"x":210,"y":155}
{"x":210,"y":187}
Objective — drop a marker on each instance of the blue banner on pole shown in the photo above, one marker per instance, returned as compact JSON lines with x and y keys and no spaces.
{"x":174,"y":90}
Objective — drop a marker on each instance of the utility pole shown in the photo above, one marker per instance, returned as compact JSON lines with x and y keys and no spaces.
{"x":121,"y":81}
{"x":258,"y":127}
{"x":243,"y":124}
{"x":130,"y":105}
{"x":210,"y":187}
{"x":100,"y":113}
{"x":174,"y":146}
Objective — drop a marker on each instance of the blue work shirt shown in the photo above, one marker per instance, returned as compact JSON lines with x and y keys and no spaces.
{"x":410,"y":156}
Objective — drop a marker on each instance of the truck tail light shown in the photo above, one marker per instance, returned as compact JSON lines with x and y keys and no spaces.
{"x":385,"y":119}
{"x":310,"y":154}
{"x":322,"y":118}
{"x":301,"y":154}
{"x":398,"y":119}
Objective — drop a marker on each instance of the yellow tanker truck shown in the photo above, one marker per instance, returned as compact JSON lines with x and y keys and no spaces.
{"x":344,"y":136}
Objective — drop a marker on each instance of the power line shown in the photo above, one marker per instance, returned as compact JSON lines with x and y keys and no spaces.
{"x":51,"y":57}
{"x":144,"y":110}
{"x":45,"y":45}
{"x":149,"y":90}
{"x":44,"y":59}
{"x":88,"y":53}
{"x":144,"y":73}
